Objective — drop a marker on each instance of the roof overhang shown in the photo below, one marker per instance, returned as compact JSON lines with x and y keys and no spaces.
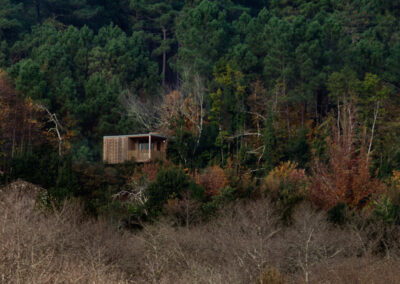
{"x":146,"y":135}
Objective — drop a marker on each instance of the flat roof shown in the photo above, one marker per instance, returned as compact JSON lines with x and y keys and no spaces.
{"x":138,"y":135}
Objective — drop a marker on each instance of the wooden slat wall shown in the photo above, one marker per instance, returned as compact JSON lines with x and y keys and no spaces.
{"x":115,"y":149}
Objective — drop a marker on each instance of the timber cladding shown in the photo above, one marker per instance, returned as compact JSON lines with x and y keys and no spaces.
{"x":141,"y":148}
{"x":115,"y":149}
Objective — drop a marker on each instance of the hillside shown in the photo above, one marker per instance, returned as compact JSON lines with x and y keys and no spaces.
{"x":276,"y":124}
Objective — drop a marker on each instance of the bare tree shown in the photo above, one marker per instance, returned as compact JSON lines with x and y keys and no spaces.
{"x":170,"y":109}
{"x":58,"y":128}
{"x":193,"y":108}
{"x":185,"y":210}
{"x":145,"y":110}
{"x":312,"y":241}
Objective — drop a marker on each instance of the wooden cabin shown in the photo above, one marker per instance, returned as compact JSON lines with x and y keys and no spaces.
{"x":140,"y":147}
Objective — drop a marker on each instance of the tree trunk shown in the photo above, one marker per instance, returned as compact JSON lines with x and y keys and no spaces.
{"x":38,"y":16}
{"x":373,"y":130}
{"x":303,"y":113}
{"x":288,"y":119}
{"x":164,"y":62}
{"x":14,"y":133}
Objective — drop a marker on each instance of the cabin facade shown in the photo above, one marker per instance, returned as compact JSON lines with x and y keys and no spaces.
{"x":142,"y":148}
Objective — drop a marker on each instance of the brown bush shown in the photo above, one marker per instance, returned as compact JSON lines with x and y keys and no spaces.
{"x":213,"y":179}
{"x":239,"y":245}
{"x":150,"y":170}
{"x":184,"y":211}
{"x":49,"y":247}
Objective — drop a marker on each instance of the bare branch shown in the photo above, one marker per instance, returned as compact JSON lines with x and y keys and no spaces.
{"x":146,"y":112}
{"x":57,"y":126}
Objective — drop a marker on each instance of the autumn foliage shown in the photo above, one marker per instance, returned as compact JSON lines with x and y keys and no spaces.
{"x":346,"y":177}
{"x":286,"y":174}
{"x":212,"y":179}
{"x":150,"y":170}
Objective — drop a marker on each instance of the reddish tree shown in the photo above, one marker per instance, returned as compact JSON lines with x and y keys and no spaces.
{"x":346,"y":177}
{"x":212,"y":179}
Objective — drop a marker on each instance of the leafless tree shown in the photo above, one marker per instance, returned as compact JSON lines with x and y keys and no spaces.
{"x":194,"y":91}
{"x":58,"y":128}
{"x":312,"y":240}
{"x":185,"y":210}
{"x":145,"y":110}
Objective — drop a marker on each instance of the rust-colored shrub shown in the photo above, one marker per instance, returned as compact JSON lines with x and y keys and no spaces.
{"x":150,"y":170}
{"x":346,"y":177}
{"x":213,"y":179}
{"x":147,"y":171}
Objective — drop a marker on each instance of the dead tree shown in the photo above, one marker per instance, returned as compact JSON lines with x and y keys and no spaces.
{"x":193,"y":108}
{"x":146,"y":112}
{"x":57,"y":126}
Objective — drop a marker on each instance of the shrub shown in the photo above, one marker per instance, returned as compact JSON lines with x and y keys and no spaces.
{"x":226,"y":196}
{"x":172,"y":184}
{"x":272,"y":184}
{"x":185,"y":211}
{"x":148,"y":171}
{"x":285,"y":174}
{"x":385,"y":210}
{"x":286,"y":185}
{"x":62,"y":245}
{"x":284,"y":178}
{"x":271,"y":275}
{"x":213,"y":179}
{"x":394,"y":189}
{"x":168,"y":182}
{"x":338,"y":214}
{"x":244,"y":244}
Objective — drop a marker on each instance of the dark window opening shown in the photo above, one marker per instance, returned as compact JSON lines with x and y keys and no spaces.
{"x":144,"y":147}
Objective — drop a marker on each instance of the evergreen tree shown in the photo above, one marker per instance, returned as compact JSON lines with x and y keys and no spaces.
{"x":202,"y":34}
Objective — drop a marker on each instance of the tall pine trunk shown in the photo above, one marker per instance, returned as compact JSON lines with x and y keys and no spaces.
{"x":164,"y":62}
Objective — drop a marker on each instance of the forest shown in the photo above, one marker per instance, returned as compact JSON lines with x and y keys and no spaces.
{"x":283,"y":127}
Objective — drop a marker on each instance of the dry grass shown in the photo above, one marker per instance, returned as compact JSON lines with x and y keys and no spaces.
{"x":246,"y":244}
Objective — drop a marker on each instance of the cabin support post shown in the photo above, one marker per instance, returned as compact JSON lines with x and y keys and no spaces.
{"x":149,"y":147}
